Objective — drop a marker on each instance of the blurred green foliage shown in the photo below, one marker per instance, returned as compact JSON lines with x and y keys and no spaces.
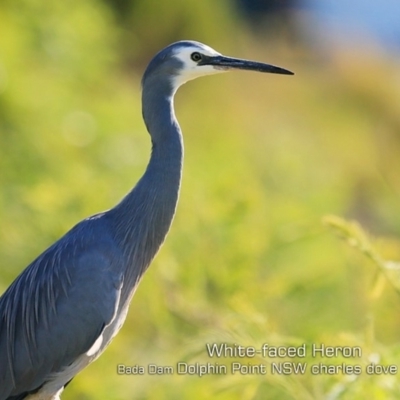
{"x":248,"y":259}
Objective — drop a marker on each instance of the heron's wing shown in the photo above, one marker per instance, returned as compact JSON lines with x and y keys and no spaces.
{"x":57,"y":308}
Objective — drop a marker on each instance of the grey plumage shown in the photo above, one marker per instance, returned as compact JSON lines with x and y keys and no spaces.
{"x":64,"y":309}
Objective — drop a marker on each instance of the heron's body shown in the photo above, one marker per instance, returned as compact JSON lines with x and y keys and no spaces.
{"x":64,"y":309}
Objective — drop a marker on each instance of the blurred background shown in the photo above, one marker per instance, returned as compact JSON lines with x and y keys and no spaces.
{"x":252,"y":257}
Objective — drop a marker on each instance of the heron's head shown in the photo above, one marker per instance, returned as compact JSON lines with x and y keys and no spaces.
{"x":186,"y":60}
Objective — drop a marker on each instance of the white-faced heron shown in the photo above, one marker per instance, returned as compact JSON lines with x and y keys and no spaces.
{"x":64,"y":309}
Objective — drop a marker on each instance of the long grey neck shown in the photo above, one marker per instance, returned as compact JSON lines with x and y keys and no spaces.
{"x":144,"y":216}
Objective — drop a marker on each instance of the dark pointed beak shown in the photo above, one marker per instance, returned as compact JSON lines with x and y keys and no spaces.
{"x":223,"y":62}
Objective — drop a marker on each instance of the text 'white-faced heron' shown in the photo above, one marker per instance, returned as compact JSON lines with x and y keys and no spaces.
{"x":64,"y":309}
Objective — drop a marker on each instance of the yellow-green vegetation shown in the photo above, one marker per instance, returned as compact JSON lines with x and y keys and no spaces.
{"x":252,"y":257}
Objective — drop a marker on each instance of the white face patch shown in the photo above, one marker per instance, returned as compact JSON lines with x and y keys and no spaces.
{"x":191,"y":69}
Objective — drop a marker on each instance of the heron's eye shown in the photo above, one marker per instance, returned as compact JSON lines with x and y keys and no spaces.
{"x":196,"y":57}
